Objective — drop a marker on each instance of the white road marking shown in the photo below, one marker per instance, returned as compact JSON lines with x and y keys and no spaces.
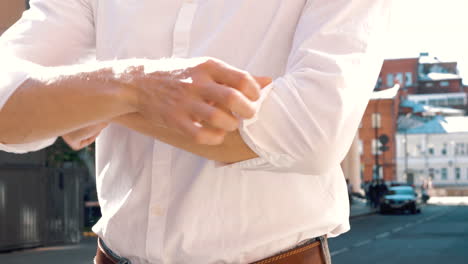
{"x":397,"y":229}
{"x":449,"y":200}
{"x":362,"y":243}
{"x":383,"y":235}
{"x":334,"y":253}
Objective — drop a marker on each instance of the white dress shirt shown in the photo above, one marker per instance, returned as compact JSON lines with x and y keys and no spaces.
{"x":161,"y":204}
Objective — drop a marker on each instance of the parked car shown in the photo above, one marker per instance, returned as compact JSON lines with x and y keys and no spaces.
{"x":401,"y":198}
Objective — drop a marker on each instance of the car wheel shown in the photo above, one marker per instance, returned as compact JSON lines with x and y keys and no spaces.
{"x":382,"y":210}
{"x":413,"y":210}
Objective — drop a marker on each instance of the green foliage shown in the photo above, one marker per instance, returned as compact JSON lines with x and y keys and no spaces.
{"x":61,"y":153}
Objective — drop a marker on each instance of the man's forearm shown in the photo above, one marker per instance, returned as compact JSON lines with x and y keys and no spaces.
{"x":59,"y":101}
{"x":233,"y":149}
{"x":172,"y":93}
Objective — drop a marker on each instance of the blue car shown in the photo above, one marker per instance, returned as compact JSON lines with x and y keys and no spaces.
{"x":400,"y":198}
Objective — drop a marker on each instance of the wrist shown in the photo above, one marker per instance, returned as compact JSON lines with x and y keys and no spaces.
{"x":122,"y":92}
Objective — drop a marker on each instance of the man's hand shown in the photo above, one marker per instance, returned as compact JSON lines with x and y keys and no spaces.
{"x":186,"y":98}
{"x":83,"y":137}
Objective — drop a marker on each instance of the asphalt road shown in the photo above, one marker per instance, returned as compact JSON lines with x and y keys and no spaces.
{"x":82,"y":253}
{"x":438,"y":235}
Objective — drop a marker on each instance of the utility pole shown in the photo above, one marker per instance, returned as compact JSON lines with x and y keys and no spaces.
{"x":377,"y":122}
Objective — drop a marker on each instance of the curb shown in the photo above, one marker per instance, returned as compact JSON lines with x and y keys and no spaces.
{"x":89,"y":234}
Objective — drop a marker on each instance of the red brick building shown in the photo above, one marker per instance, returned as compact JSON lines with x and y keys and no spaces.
{"x":399,"y":71}
{"x":421,"y":75}
{"x":380,"y":118}
{"x":437,"y":76}
{"x":426,"y":77}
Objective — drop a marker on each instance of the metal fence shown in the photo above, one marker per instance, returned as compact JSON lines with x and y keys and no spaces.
{"x":40,"y":206}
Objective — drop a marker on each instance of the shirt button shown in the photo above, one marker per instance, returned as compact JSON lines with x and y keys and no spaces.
{"x":157,"y":210}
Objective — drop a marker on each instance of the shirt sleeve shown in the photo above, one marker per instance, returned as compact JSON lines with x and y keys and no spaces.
{"x":50,"y":33}
{"x":308,"y":117}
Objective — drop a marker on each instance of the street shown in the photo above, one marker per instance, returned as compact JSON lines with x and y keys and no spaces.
{"x":438,"y":235}
{"x":82,"y":253}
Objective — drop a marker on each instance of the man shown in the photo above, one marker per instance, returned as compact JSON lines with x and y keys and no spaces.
{"x":180,"y":179}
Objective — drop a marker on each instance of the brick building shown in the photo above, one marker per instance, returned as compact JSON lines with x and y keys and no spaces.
{"x":426,"y":80}
{"x":436,"y":76}
{"x":402,"y":71}
{"x":380,"y":118}
{"x":422,"y":75}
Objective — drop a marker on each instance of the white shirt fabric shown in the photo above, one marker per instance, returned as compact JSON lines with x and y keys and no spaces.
{"x":161,"y":204}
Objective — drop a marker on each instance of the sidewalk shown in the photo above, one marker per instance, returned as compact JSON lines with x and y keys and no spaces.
{"x":82,"y":253}
{"x":360,"y":208}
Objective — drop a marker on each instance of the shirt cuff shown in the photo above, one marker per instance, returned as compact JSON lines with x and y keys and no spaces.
{"x":266,"y":160}
{"x":27,"y":147}
{"x":12,"y":74}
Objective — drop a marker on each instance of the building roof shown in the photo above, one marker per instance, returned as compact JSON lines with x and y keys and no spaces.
{"x":442,"y":125}
{"x":389,"y":93}
{"x":437,"y":76}
{"x":444,"y":110}
{"x":417,"y":107}
{"x":426,"y":59}
{"x":431,"y":110}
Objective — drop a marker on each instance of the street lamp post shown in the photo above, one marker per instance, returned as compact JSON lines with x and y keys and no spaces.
{"x":377,"y":123}
{"x":406,"y":154}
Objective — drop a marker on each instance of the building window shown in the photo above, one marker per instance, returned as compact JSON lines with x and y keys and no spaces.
{"x":376,"y":120}
{"x":361,"y":147}
{"x":444,"y":83}
{"x":430,"y":150}
{"x":434,"y":102}
{"x":457,"y":173}
{"x":378,"y":85}
{"x":456,"y":101}
{"x":460,"y":149}
{"x":443,"y":175}
{"x":429,"y":85}
{"x":431,"y":173}
{"x":444,"y":149}
{"x":376,"y":145}
{"x":399,"y":78}
{"x":390,"y":80}
{"x":409,"y":79}
{"x":380,"y":174}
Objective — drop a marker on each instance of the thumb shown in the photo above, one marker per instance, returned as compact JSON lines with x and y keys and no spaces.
{"x":263,"y":81}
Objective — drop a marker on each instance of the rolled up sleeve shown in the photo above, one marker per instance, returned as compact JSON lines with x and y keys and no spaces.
{"x":50,"y":33}
{"x":307,"y":119}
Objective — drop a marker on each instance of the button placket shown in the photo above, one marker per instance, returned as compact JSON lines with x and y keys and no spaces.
{"x":182,"y":29}
{"x":159,"y":201}
{"x":162,"y":153}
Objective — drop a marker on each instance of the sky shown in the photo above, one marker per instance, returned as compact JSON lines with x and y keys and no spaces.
{"x":439,"y":27}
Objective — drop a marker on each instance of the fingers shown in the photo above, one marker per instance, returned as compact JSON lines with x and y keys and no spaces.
{"x":228,"y":98}
{"x":263,"y":81}
{"x":84,"y":137}
{"x":213,"y":116}
{"x":200,"y":134}
{"x":242,"y":81}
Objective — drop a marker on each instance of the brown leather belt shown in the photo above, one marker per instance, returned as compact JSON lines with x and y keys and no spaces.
{"x":308,"y":253}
